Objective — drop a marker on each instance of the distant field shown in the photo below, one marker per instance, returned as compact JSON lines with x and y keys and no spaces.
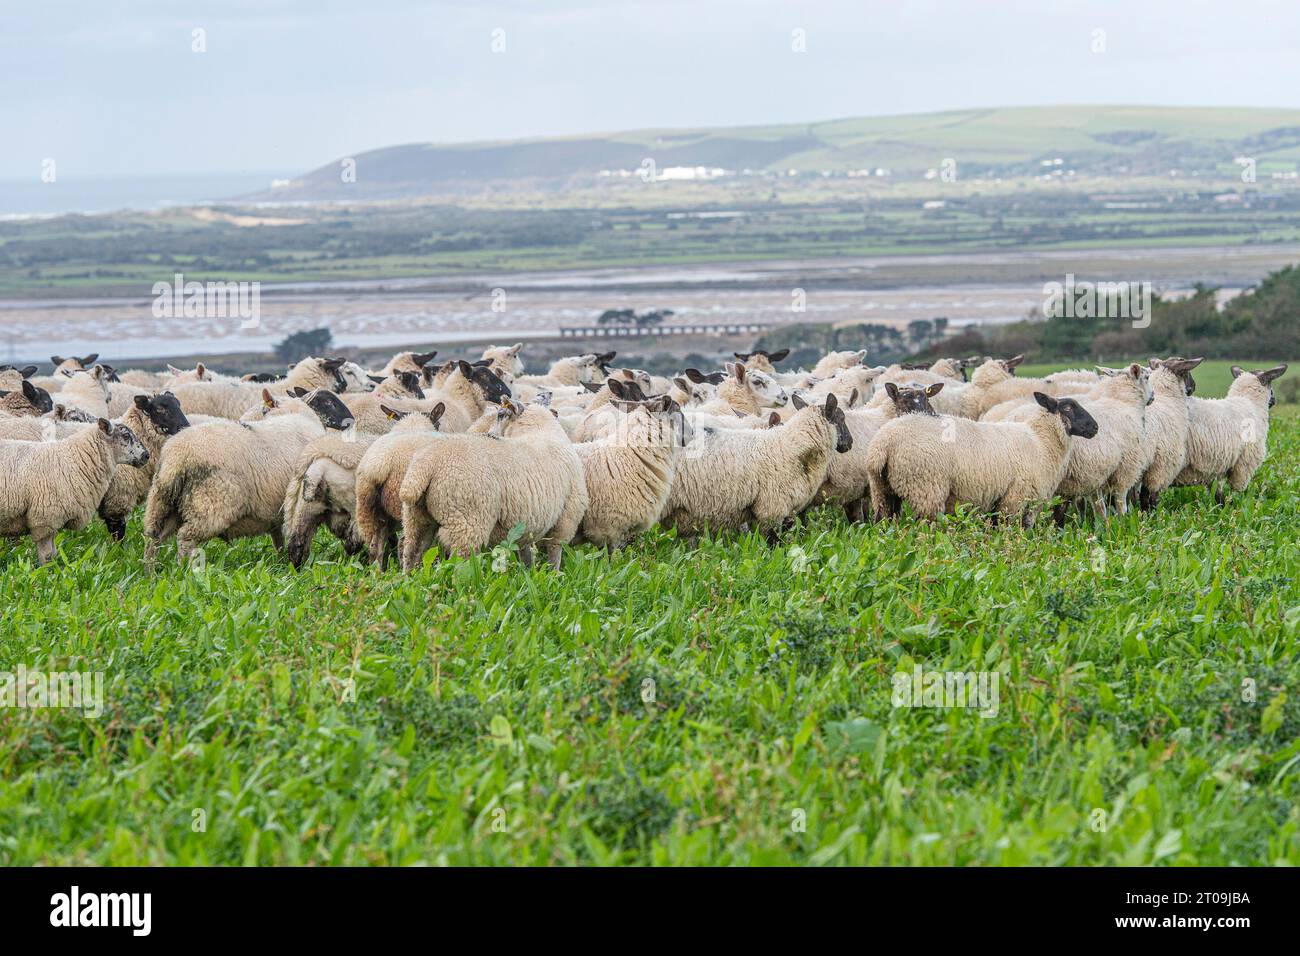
{"x":727,"y":705}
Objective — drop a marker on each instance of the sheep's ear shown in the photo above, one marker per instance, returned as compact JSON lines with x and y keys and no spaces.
{"x":436,"y":413}
{"x":1046,"y":401}
{"x":465,"y":368}
{"x":89,"y":358}
{"x":392,"y":414}
{"x":715,"y":378}
{"x":297,"y":391}
{"x":173,"y":369}
{"x":593,"y":386}
{"x":1105,"y":370}
{"x":773,"y":420}
{"x":1192,"y":363}
{"x":56,"y":359}
{"x":829,"y":409}
{"x":892,"y":391}
{"x":1236,"y":370}
{"x":1269,"y":375}
{"x":332,"y":364}
{"x":798,"y":402}
{"x":695,"y":375}
{"x":1135,"y":370}
{"x":934,"y":390}
{"x":742,"y":356}
{"x":423,"y":358}
{"x":684,"y":385}
{"x":267,"y":400}
{"x":427,"y":374}
{"x":29,"y":391}
{"x":616,"y":388}
{"x":27,"y":372}
{"x":853,"y":398}
{"x":201,"y":369}
{"x":105,"y":425}
{"x":516,"y":348}
{"x":739,"y":371}
{"x":141,"y":401}
{"x":377,"y":379}
{"x":1154,"y":363}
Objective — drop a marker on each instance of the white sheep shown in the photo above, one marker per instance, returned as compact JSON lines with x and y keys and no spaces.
{"x":760,"y":478}
{"x":1227,"y":438}
{"x":937,"y":462}
{"x":1167,"y":426}
{"x":469,"y":491}
{"x":228,"y":479}
{"x":629,"y":473}
{"x":832,"y":362}
{"x":47,"y":486}
{"x":746,"y":393}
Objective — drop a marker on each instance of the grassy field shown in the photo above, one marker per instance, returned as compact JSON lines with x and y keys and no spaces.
{"x":728,"y":705}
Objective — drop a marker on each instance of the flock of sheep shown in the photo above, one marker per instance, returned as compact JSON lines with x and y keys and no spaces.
{"x":462,"y":453}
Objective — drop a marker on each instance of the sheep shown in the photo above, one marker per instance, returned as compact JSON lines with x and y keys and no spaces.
{"x":28,"y":400}
{"x":505,"y":359}
{"x":936,"y":462}
{"x":765,"y":362}
{"x":745,"y":392}
{"x":573,"y":370}
{"x":995,"y":382}
{"x":228,"y":479}
{"x":464,"y":388}
{"x":1228,"y":437}
{"x":846,"y":477}
{"x":12,"y":378}
{"x":832,"y":362}
{"x":469,"y":491}
{"x":861,"y":379}
{"x":89,"y":391}
{"x":153,"y":420}
{"x":629,"y":474}
{"x":379,"y":474}
{"x":760,"y":478}
{"x":323,"y":491}
{"x":601,"y":417}
{"x":367,"y":409}
{"x":407,"y":362}
{"x":47,"y":486}
{"x":1166,"y":424}
{"x":1106,"y":469}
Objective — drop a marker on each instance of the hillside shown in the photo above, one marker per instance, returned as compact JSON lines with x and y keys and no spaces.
{"x":1009,"y":142}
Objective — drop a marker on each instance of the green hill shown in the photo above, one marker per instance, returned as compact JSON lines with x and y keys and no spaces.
{"x":1009,"y":142}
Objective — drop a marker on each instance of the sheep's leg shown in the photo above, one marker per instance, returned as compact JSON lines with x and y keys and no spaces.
{"x":1099,"y":506}
{"x":1216,"y":489}
{"x":1145,"y":499}
{"x":1059,"y":511}
{"x":554,"y":550}
{"x":44,"y":547}
{"x":277,"y":538}
{"x":526,"y":554}
{"x":1239,"y":476}
{"x":417,"y":534}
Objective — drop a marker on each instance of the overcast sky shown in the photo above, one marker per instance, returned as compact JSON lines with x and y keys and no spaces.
{"x":112,"y":87}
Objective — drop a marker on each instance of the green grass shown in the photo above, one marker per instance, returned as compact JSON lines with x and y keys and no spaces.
{"x":499,"y":714}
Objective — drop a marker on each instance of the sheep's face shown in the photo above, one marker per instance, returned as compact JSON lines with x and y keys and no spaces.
{"x":832,"y":412}
{"x":355,"y":378}
{"x":589,"y":368}
{"x":164,"y":413}
{"x":914,"y":398}
{"x":506,"y":359}
{"x":1075,"y":417}
{"x":66,"y":366}
{"x":508,"y":413}
{"x":763,"y":387}
{"x":949,"y":368}
{"x":30,"y":400}
{"x":1138,"y":375}
{"x":329,"y":408}
{"x":332,"y":370}
{"x":487,"y":382}
{"x":624,"y":390}
{"x":407,"y":383}
{"x":990,"y":372}
{"x":126,"y":448}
